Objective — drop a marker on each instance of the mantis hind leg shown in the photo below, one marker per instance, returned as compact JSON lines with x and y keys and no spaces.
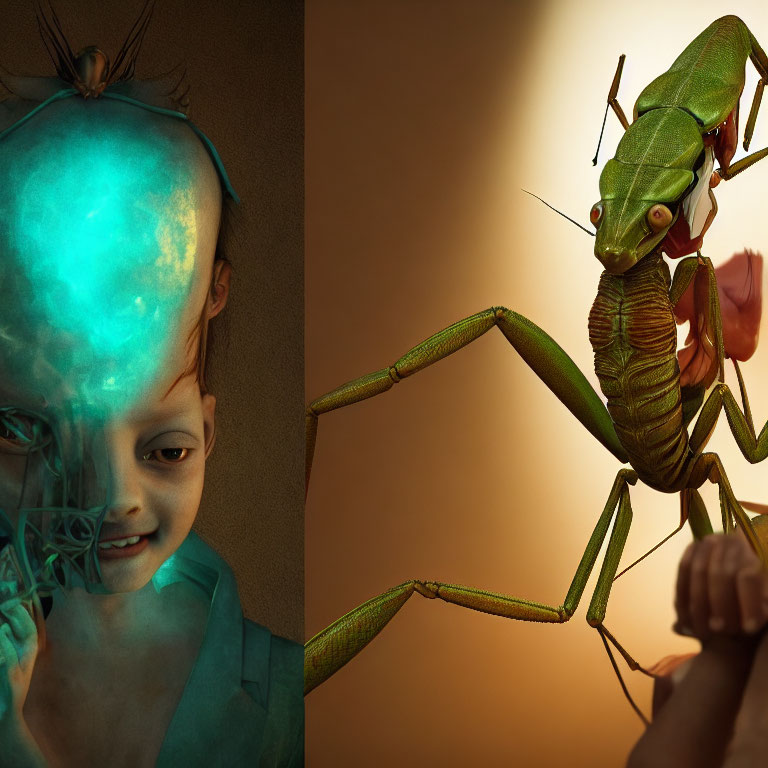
{"x":336,"y":645}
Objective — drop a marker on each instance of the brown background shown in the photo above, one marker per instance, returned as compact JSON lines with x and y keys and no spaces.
{"x":424,"y":121}
{"x":245,"y":65}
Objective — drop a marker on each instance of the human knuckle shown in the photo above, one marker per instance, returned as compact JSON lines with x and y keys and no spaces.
{"x":699,"y":567}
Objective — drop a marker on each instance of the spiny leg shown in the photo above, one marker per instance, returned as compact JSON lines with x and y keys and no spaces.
{"x":539,"y":350}
{"x":334,"y":646}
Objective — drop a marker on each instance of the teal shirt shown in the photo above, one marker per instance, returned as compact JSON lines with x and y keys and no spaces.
{"x":243,"y":702}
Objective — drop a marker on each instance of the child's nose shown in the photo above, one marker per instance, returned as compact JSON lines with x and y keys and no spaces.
{"x":109,"y":478}
{"x":123,"y":492}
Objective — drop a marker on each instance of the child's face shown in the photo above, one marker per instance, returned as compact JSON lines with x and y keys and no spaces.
{"x":156,"y":457}
{"x":103,"y":293}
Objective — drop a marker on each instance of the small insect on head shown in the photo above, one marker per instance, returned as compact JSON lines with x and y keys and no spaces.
{"x":92,"y":66}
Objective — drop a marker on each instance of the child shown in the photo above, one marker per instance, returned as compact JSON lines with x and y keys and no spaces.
{"x":110,"y":209}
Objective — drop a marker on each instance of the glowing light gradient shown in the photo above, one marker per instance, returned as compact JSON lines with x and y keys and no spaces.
{"x":100,"y":222}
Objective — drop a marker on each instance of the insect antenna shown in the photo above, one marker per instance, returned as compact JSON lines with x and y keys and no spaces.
{"x":132,"y":45}
{"x":600,"y":140}
{"x":573,"y":221}
{"x":55,"y":43}
{"x":621,"y":679}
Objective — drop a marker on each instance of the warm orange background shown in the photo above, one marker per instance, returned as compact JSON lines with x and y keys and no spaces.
{"x":424,"y":121}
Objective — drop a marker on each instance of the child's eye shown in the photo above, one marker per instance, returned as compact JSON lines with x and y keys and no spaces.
{"x":167,"y":455}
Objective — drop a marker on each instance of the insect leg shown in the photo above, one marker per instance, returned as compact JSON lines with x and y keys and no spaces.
{"x":750,"y":126}
{"x":693,"y":508}
{"x":684,"y":273}
{"x":741,"y":165}
{"x":760,"y":62}
{"x":599,"y":603}
{"x":754,"y":448}
{"x":709,"y":467}
{"x":542,"y":353}
{"x":613,"y":103}
{"x":693,"y":511}
{"x":334,"y":646}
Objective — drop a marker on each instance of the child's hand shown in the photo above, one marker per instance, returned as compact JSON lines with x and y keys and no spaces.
{"x":722,"y":588}
{"x":18,"y":651}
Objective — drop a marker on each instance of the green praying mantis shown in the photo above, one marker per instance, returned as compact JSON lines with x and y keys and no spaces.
{"x":658,"y":181}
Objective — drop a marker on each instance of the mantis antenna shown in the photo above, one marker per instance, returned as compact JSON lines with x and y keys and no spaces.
{"x":573,"y":221}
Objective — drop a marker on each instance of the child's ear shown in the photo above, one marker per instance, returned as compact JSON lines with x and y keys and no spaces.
{"x":209,"y":424}
{"x":219,"y":293}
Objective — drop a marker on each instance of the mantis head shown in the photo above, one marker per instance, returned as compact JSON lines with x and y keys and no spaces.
{"x":660,"y":174}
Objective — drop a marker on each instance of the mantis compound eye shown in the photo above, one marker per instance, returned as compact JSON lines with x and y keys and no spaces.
{"x":596,"y":214}
{"x":659,"y":217}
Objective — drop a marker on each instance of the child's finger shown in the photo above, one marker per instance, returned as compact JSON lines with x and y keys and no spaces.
{"x":23,"y":627}
{"x":8,"y":651}
{"x":726,"y":561}
{"x":682,"y":590}
{"x":718,"y":587}
{"x":699,"y":586}
{"x":749,"y":586}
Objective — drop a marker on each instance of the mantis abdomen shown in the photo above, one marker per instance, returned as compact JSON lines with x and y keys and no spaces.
{"x":633,"y":336}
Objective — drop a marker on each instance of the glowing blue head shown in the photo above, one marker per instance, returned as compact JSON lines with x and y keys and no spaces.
{"x":103,"y":225}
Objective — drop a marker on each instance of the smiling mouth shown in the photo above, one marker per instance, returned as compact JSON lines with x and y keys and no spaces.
{"x":125,"y":547}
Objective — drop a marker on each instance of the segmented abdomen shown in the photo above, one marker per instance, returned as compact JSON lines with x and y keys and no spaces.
{"x":632,"y":332}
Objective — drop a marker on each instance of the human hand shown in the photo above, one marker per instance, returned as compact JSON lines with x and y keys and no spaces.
{"x":18,"y":652}
{"x":722,"y":589}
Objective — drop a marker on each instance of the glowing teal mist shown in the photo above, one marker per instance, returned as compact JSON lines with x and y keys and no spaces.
{"x":100,"y":226}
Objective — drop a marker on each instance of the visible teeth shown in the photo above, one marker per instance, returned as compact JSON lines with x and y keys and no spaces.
{"x":119,"y":543}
